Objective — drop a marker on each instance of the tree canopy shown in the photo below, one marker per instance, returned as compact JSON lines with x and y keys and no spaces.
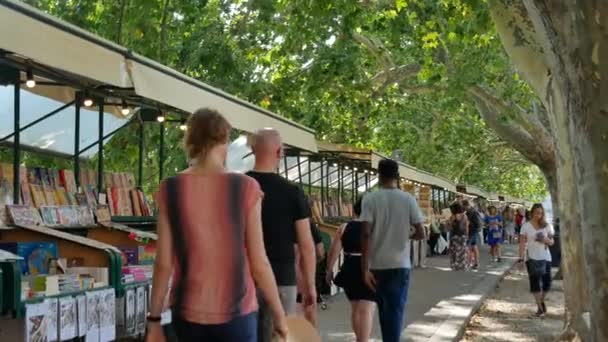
{"x":386,"y":75}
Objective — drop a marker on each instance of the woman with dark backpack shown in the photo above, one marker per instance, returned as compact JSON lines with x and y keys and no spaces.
{"x":535,"y":239}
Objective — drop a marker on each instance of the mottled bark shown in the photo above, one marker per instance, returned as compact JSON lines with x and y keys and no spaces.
{"x":559,"y":55}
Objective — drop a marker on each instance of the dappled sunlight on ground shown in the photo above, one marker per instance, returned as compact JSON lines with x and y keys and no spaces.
{"x":508,"y":314}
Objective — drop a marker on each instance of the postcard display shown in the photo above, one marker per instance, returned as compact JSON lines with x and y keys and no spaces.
{"x":91,"y":316}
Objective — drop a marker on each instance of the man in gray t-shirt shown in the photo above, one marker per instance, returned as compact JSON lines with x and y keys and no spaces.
{"x":388,"y":215}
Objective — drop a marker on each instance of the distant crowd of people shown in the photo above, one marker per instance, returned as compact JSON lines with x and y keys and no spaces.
{"x":238,"y":252}
{"x":468,"y":225}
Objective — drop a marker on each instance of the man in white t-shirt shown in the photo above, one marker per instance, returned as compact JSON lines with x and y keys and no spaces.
{"x":535,"y":238}
{"x":388,"y":215}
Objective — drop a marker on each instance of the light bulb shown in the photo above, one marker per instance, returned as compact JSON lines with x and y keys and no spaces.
{"x":87,"y":102}
{"x":183,"y":127}
{"x":125,"y":110}
{"x":160,"y":118}
{"x":31,"y":82}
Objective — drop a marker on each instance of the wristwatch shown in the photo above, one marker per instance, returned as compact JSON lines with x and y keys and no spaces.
{"x":153,"y":319}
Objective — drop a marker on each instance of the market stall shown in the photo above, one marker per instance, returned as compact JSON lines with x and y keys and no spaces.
{"x":64,"y":94}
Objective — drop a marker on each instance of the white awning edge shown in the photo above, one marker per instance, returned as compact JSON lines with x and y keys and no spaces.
{"x":28,"y":32}
{"x":189,"y":95}
{"x":46,"y":40}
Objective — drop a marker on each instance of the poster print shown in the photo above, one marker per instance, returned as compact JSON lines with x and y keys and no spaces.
{"x":92,"y":334}
{"x":36,"y":322}
{"x":81,"y":304}
{"x":53,"y":323}
{"x":140,"y":311}
{"x":107,"y":315}
{"x":68,"y":324}
{"x":130,"y":321}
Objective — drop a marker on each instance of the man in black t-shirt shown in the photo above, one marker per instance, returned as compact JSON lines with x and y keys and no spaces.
{"x":285,"y":222}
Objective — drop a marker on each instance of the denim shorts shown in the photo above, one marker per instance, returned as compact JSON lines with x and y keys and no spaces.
{"x":473,"y":240}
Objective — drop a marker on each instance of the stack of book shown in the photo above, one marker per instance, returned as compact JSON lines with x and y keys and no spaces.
{"x":136,"y":273}
{"x":425,"y":202}
{"x":70,"y":282}
{"x":123,"y":198}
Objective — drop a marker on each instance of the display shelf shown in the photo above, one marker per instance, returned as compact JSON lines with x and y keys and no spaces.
{"x":93,"y":254}
{"x":134,"y":219}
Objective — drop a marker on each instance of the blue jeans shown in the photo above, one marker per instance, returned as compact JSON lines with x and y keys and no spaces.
{"x":391,"y":295}
{"x":243,"y":328}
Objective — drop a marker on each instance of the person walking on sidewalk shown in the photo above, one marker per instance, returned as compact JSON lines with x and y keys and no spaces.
{"x":205,"y":212}
{"x":535,"y":239}
{"x":350,"y":278}
{"x":285,"y":222}
{"x":509,"y":228}
{"x":474,"y":233}
{"x":458,"y":237}
{"x":495,"y":233}
{"x":387,"y":216}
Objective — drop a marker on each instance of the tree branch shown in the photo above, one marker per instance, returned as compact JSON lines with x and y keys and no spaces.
{"x":492,"y":110}
{"x":519,"y":39}
{"x":375,"y":46}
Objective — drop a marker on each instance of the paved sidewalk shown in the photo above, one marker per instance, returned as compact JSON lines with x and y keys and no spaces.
{"x":440,"y":303}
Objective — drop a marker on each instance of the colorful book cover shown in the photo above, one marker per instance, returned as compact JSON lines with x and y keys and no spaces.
{"x":49,"y":196}
{"x":146,"y":254}
{"x":50,"y":215}
{"x":130,"y":181}
{"x":115,"y":201}
{"x":129,"y":255}
{"x":80,"y":199}
{"x":38,"y":197}
{"x":55,"y":179}
{"x":127,"y":207}
{"x":85,"y":216}
{"x":140,"y":309}
{"x":137,"y":210}
{"x":130,"y":320}
{"x":68,"y":322}
{"x":37,"y":256}
{"x":33,"y":176}
{"x":26,"y":195}
{"x":102,"y":213}
{"x":107,"y":315}
{"x":36,"y":322}
{"x":91,"y":195}
{"x":22,"y":215}
{"x":53,"y":316}
{"x":92,"y":334}
{"x":68,"y":215}
{"x":81,"y":305}
{"x":6,"y":190}
{"x":45,"y":177}
{"x":62,"y":196}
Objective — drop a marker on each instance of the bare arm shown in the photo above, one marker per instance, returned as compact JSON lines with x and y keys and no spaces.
{"x":334,"y":250}
{"x":306,"y":246}
{"x":260,"y":266}
{"x":523,"y":239}
{"x":163,"y":265}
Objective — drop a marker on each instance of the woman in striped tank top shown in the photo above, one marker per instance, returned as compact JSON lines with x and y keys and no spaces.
{"x":210,"y":243}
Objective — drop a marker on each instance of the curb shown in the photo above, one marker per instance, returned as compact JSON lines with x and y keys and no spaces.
{"x":477,"y":306}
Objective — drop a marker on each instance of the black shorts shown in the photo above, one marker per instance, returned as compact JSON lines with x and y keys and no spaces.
{"x":540,"y":282}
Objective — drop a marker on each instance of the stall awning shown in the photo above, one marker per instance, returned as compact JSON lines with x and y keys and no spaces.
{"x":66,"y":49}
{"x":411,"y":173}
{"x":473,"y":190}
